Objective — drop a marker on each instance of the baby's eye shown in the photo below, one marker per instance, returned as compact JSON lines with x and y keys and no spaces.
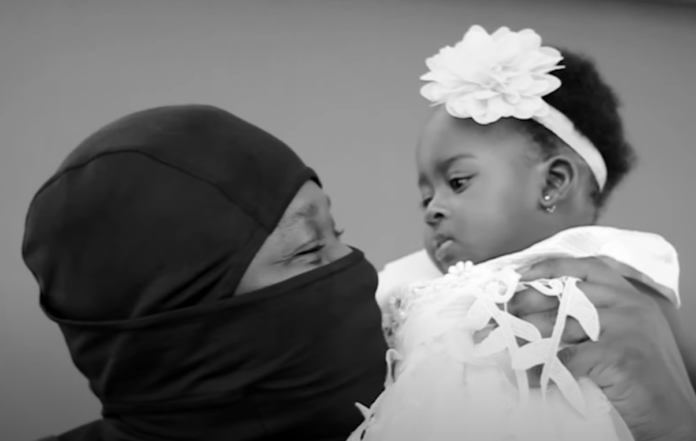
{"x":425,"y":202}
{"x":457,"y":184}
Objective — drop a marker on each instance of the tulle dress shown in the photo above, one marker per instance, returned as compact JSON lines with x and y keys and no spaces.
{"x":457,"y":360}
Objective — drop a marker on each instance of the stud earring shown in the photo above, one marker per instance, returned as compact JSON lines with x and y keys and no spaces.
{"x":552,"y":208}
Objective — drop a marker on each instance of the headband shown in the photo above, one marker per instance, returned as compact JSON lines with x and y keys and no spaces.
{"x":505,"y":74}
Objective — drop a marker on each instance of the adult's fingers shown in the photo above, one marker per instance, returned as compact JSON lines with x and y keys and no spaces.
{"x":583,"y":356}
{"x":581,"y":359}
{"x":608,"y":315}
{"x":531,"y":301}
{"x":589,"y":269}
{"x":546,"y":321}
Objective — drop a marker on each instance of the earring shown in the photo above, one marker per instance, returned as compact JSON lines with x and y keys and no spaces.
{"x":552,"y":208}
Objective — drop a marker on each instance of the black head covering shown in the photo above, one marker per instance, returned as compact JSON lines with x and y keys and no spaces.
{"x":138,"y":243}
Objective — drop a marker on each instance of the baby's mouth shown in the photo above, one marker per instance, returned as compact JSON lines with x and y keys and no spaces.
{"x":443,"y":251}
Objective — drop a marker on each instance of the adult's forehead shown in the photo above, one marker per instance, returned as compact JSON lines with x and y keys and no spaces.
{"x":251,"y":167}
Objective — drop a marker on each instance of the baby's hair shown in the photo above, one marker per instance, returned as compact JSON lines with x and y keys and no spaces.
{"x":593,"y":107}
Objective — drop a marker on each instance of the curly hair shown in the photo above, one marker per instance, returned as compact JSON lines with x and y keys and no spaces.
{"x":593,"y":107}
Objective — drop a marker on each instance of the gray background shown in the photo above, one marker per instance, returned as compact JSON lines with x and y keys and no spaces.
{"x":338,"y":80}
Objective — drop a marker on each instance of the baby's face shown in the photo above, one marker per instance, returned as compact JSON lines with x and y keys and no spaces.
{"x":480,"y":189}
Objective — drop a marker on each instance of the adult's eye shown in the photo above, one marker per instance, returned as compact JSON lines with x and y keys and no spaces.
{"x":313,"y":256}
{"x":314,"y":249}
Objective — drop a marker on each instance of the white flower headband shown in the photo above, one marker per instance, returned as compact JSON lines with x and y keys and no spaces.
{"x":505,"y":74}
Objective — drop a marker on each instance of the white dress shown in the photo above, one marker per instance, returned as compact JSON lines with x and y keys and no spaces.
{"x":454,"y":376}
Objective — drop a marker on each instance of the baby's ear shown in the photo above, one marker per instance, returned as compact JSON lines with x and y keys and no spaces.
{"x":561,"y":175}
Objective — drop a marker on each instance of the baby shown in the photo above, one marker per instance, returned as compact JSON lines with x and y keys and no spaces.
{"x":520,"y":156}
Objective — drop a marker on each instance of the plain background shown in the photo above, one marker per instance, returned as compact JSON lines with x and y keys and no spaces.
{"x":337,"y":80}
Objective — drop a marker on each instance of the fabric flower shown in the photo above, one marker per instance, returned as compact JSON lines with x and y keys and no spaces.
{"x":488,"y":77}
{"x":460,"y":268}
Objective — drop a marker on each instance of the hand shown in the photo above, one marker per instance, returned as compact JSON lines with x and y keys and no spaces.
{"x":636,"y":361}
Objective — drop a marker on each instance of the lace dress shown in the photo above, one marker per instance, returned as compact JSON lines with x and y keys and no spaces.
{"x":457,"y":360}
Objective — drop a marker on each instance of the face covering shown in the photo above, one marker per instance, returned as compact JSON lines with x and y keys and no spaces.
{"x":138,"y":243}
